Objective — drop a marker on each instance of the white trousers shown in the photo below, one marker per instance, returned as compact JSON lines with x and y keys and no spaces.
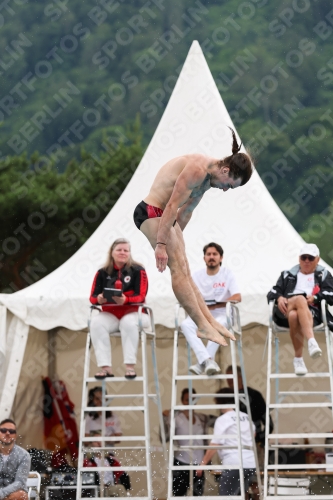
{"x":189,"y":329}
{"x":105,"y":323}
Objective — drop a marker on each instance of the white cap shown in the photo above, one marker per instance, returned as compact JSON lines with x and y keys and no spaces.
{"x":309,"y":249}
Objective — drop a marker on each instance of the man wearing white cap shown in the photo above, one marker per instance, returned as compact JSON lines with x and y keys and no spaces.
{"x":297,"y":294}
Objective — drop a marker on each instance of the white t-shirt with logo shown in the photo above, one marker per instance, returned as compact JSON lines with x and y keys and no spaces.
{"x":227,"y":424}
{"x":112,"y":425}
{"x":216,"y":288}
{"x":182,"y":426}
{"x":305,"y":283}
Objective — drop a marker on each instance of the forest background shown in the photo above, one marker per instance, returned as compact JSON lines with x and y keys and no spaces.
{"x":84,"y":85}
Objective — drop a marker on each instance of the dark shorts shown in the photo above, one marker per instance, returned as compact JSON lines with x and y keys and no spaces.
{"x":229,"y":481}
{"x":281,"y":320}
{"x":143,"y":211}
{"x":181,"y":481}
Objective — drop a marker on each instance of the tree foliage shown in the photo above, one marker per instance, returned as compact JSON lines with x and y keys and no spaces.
{"x":70,"y":71}
{"x":49,"y":215}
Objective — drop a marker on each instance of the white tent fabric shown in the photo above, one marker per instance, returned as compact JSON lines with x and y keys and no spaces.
{"x":258,"y":240}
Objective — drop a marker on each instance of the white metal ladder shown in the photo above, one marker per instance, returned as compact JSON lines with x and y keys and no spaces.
{"x":272,"y":440}
{"x":234,"y":327}
{"x":142,"y":442}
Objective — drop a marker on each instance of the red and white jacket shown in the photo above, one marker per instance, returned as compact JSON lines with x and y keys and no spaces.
{"x":134,"y":283}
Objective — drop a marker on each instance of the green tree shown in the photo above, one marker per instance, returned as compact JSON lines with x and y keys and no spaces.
{"x":49,"y":215}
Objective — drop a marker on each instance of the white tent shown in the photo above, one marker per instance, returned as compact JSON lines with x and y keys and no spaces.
{"x":258,"y":240}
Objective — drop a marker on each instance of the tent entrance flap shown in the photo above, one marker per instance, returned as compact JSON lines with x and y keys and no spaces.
{"x":18,"y":335}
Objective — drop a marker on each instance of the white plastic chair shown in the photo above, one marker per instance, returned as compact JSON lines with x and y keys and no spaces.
{"x":33,"y":484}
{"x":289,"y":486}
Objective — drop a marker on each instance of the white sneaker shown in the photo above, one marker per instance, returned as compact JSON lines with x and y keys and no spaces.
{"x":314,"y":349}
{"x":197,"y":369}
{"x":211,"y":368}
{"x":299,"y":366}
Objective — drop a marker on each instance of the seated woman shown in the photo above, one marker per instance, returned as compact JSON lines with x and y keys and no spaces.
{"x":129,"y":281}
{"x":93,"y":420}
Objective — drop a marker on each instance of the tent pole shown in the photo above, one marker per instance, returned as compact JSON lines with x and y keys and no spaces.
{"x":51,"y":352}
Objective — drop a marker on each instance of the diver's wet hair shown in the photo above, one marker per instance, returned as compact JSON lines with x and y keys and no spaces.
{"x":240,"y":164}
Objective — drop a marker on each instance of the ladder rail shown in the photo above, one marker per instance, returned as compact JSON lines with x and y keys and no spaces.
{"x":146,"y":397}
{"x":190,"y":405}
{"x":158,"y":399}
{"x":146,"y":413}
{"x":233,"y":326}
{"x":155,"y":373}
{"x":240,"y":448}
{"x":173,"y":400}
{"x":328,"y":338}
{"x":271,"y":440}
{"x":232,"y":313}
{"x":82,"y":419}
{"x":268,"y":396}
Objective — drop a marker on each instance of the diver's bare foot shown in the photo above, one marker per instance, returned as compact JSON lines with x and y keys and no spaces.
{"x":210,"y":333}
{"x":221,"y":329}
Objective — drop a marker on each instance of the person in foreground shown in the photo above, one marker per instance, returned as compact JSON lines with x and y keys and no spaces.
{"x":297,"y":295}
{"x":123,"y":276}
{"x":163,"y":215}
{"x":227,"y":424}
{"x":217,"y":284}
{"x":257,"y":407}
{"x":14,"y":464}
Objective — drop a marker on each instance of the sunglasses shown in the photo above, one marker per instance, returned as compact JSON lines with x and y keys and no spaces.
{"x":311,"y":258}
{"x":3,"y":430}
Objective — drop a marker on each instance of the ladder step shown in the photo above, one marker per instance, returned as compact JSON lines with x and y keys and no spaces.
{"x":301,"y":435}
{"x":235,"y":497}
{"x":116,"y":448}
{"x":214,"y":447}
{"x":134,"y":498}
{"x":196,"y":396}
{"x":273,"y":446}
{"x":199,"y":407}
{"x":113,"y":396}
{"x":296,"y":466}
{"x":180,"y":437}
{"x":114,"y":408}
{"x":293,"y":375}
{"x":90,"y":439}
{"x":298,"y":497}
{"x":110,"y":380}
{"x":122,"y":396}
{"x":120,"y":467}
{"x":304,"y":393}
{"x":203,"y":467}
{"x":202,"y":377}
{"x":300,"y":405}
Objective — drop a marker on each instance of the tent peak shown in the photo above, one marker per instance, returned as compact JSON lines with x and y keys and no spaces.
{"x":195,"y":48}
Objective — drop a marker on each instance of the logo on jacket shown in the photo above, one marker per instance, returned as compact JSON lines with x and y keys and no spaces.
{"x":127,"y":279}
